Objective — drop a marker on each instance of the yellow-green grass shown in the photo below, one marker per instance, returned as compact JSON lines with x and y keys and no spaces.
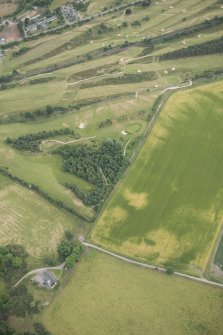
{"x":169,"y":207}
{"x":106,"y":296}
{"x":29,"y":220}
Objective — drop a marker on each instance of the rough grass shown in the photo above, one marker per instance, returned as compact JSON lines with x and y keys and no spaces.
{"x":107,"y":296}
{"x":7,"y":8}
{"x":26,"y":219}
{"x":172,"y":194}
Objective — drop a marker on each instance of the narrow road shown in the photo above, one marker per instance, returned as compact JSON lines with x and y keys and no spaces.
{"x":151,"y":267}
{"x":33,"y":272}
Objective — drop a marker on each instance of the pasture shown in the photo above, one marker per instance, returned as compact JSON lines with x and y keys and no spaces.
{"x":169,"y":207}
{"x":107,"y":296}
{"x":29,"y":220}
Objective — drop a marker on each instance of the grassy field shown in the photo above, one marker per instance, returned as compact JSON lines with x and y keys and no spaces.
{"x":106,"y":296}
{"x":169,"y":207}
{"x":27,"y":219}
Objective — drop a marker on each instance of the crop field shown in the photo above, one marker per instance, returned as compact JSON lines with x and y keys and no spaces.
{"x":169,"y":207}
{"x":106,"y":296}
{"x":22,"y":220}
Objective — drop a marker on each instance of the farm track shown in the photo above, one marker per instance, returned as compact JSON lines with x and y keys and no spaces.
{"x":69,"y":142}
{"x":151,"y":267}
{"x":156,"y":114}
{"x":59,"y":267}
{"x":124,"y":259}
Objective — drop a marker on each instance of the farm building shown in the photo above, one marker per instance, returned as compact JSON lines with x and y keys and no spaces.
{"x":69,"y":12}
{"x":49,"y":280}
{"x":39,"y":22}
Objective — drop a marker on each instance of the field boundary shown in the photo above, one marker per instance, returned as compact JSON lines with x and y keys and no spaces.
{"x":150,"y":266}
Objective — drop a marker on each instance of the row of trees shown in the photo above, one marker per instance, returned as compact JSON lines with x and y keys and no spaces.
{"x":207,"y":24}
{"x":123,"y":79}
{"x":31,"y":142}
{"x":206,"y":48}
{"x":45,"y":195}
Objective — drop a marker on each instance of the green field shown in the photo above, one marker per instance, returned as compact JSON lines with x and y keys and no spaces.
{"x":169,"y":207}
{"x":106,"y":296}
{"x":27,"y":219}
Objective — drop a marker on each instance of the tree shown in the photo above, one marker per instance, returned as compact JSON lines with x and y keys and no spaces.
{"x":49,"y":109}
{"x":70,"y":262}
{"x":4,"y":330}
{"x":170,"y":269}
{"x":17,"y":262}
{"x":26,"y":21}
{"x":69,"y":235}
{"x":65,"y":249}
{"x":128,"y":11}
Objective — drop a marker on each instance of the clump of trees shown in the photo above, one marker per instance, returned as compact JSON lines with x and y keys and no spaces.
{"x":31,"y":142}
{"x":87,"y":161}
{"x":105,"y":123}
{"x":206,"y":48}
{"x":15,"y":301}
{"x":12,"y":262}
{"x":69,"y":250}
{"x":101,"y":166}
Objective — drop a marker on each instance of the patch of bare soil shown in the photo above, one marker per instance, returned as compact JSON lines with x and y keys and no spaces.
{"x":10,"y":32}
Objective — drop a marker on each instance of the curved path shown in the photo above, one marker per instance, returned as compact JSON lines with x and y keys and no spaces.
{"x":33,"y":272}
{"x":152,"y":267}
{"x":124,"y":153}
{"x":173,"y":88}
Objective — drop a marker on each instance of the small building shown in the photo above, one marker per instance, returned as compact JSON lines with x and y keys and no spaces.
{"x":38,"y":22}
{"x":2,"y":41}
{"x":49,"y":280}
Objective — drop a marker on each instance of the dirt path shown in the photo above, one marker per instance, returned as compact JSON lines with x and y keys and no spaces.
{"x":125,"y":148}
{"x":60,"y":142}
{"x":151,"y":267}
{"x":36,"y":271}
{"x":103,"y":176}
